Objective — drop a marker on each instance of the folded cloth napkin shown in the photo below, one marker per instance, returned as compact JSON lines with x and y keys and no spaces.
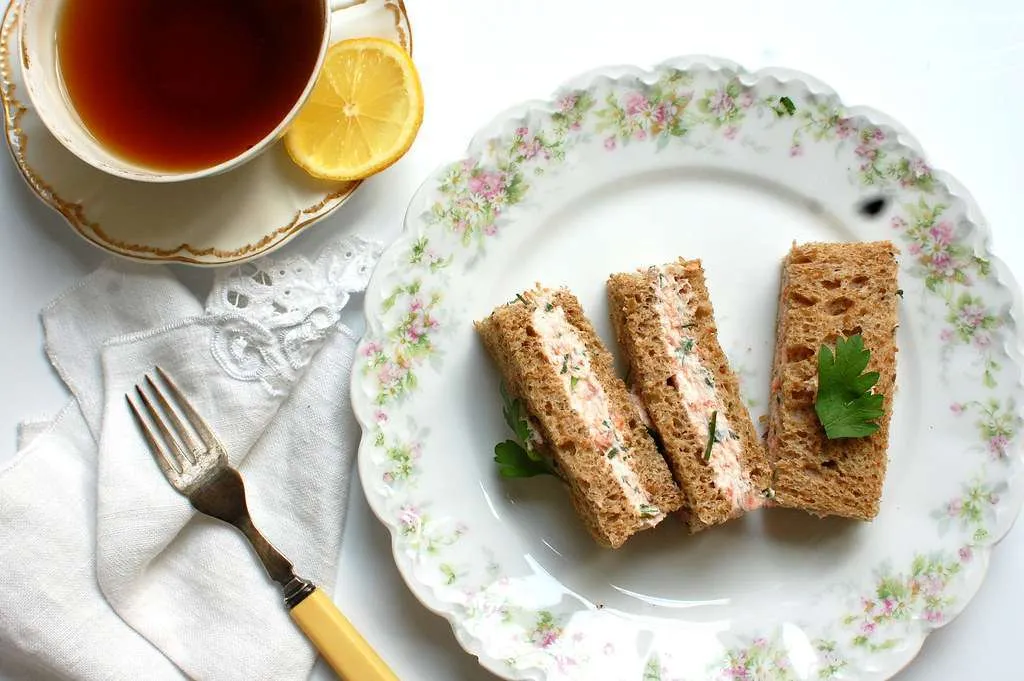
{"x":108,"y":572}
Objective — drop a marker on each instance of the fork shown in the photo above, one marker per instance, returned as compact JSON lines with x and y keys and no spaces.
{"x":196,"y":464}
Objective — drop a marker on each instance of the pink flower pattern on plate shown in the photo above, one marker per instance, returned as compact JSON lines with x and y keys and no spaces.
{"x":899,"y":597}
{"x":546,"y":630}
{"x":637,"y":104}
{"x":487,"y":184}
{"x":763,"y":658}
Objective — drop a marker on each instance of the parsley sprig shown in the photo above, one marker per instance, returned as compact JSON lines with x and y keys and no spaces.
{"x":517,"y":458}
{"x":846,"y":404}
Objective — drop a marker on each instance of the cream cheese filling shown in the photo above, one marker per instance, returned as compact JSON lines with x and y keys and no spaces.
{"x":696,"y":386}
{"x":568,"y":356}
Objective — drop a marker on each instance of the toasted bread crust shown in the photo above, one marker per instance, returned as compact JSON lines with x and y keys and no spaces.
{"x":829,"y":290}
{"x":641,"y":339}
{"x":512,"y":342}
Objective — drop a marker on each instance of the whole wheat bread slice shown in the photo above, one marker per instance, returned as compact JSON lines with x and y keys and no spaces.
{"x":509,"y":335}
{"x":652,"y":375}
{"x":827,"y":291}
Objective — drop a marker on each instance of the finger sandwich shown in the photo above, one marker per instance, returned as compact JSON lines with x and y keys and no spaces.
{"x":552,"y":359}
{"x":828,"y":291}
{"x":665,"y":326}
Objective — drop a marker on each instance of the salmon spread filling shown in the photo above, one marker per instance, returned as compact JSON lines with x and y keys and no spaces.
{"x":696,"y":386}
{"x":568,"y":356}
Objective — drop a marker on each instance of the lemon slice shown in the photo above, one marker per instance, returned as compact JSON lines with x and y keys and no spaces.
{"x":363,"y":114}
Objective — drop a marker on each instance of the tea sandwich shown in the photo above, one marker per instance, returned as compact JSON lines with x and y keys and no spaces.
{"x":665,"y":327}
{"x":580,"y":413}
{"x":843,"y":295}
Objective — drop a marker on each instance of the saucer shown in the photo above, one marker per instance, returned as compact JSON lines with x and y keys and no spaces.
{"x":229,"y":218}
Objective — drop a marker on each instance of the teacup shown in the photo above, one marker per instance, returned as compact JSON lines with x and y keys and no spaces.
{"x":49,"y":93}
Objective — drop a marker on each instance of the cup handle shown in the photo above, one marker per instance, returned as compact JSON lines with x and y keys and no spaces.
{"x":338,"y":5}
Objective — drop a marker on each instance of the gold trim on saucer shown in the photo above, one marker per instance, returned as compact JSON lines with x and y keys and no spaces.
{"x":17,"y":141}
{"x":398,"y":10}
{"x":25,"y":59}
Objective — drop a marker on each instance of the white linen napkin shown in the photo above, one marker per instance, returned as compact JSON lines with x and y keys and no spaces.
{"x":114,"y":575}
{"x":54,"y":621}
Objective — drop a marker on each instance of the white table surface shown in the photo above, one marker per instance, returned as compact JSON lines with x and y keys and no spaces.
{"x":951,"y":71}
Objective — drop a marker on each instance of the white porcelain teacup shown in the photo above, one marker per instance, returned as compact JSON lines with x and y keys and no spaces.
{"x":45,"y":85}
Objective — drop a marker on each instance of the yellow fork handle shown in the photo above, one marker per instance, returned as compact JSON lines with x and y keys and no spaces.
{"x":348,"y":653}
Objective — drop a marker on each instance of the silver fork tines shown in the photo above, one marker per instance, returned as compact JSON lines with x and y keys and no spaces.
{"x":182,"y":450}
{"x":192,"y":447}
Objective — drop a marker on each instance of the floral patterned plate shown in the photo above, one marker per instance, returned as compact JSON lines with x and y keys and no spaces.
{"x":624,"y":168}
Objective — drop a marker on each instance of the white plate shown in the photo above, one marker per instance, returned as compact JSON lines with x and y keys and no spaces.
{"x":625,"y":168}
{"x":229,"y":218}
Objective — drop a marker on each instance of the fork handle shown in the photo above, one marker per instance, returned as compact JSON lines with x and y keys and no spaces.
{"x":345,"y":650}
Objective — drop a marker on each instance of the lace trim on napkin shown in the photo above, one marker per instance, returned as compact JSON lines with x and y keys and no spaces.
{"x":275,"y":313}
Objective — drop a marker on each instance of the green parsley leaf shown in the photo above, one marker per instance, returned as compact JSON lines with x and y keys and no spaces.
{"x":712,"y":428}
{"x":515,"y":416}
{"x":845,"y":404}
{"x":516,"y":462}
{"x":788,"y":105}
{"x":518,"y":459}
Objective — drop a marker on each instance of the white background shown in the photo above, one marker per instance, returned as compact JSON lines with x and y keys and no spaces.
{"x":951,"y":71}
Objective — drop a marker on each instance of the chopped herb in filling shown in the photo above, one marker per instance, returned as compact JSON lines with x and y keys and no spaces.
{"x":712,"y":435}
{"x":648,"y":511}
